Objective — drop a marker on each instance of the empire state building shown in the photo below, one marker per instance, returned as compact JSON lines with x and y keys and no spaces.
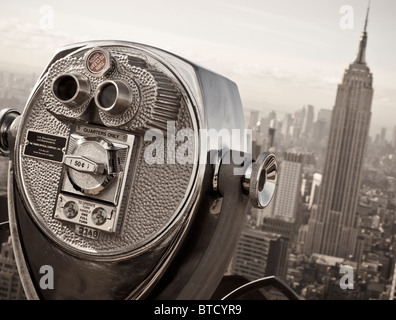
{"x":332,"y":226}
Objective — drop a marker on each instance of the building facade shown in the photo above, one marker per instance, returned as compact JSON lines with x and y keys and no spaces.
{"x":10,"y":283}
{"x":288,"y":197}
{"x":259,"y":254}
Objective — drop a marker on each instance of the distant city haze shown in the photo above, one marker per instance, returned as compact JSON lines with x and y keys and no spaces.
{"x":282,"y":54}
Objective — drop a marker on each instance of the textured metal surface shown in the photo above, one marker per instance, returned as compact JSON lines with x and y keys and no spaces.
{"x":155,"y":99}
{"x":75,"y":278}
{"x":152,"y":199}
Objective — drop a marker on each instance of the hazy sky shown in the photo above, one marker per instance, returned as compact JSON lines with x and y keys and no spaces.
{"x":283,"y":54}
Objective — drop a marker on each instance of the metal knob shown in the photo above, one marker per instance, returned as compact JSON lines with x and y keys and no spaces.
{"x":260,"y":180}
{"x":84,"y":164}
{"x":7,"y":117}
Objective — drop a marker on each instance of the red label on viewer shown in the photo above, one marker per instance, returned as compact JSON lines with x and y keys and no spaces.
{"x":96,"y":61}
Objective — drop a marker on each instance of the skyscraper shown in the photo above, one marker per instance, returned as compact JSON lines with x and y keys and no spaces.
{"x":313,"y":198}
{"x":383,"y":140}
{"x":332,"y":225}
{"x":286,"y":123}
{"x":254,"y":116}
{"x":286,"y":204}
{"x":288,"y":198}
{"x":394,"y":137}
{"x":308,"y":122}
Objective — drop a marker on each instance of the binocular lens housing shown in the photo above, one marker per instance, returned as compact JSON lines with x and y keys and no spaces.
{"x":113,"y":97}
{"x":108,"y":96}
{"x":66,"y":87}
{"x":72,"y":89}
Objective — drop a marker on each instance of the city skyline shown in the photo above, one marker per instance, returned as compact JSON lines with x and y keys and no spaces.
{"x":267,"y":48}
{"x":296,"y":136}
{"x":352,"y":222}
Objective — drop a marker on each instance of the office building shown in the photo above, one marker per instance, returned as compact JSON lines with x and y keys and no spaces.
{"x":288,"y":197}
{"x":260,"y":254}
{"x":332,"y":226}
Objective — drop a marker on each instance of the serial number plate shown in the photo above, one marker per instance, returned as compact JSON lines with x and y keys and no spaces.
{"x":86,"y":232}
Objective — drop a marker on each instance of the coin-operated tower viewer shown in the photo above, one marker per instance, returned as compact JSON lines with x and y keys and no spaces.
{"x":111,"y":183}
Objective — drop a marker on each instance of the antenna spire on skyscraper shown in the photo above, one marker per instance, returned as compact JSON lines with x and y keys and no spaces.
{"x":361,"y":56}
{"x":367,"y":15}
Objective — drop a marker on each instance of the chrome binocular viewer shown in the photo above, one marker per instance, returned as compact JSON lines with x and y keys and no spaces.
{"x":112,"y":183}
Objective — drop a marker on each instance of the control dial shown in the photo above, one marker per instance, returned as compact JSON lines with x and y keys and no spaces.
{"x":93,"y":164}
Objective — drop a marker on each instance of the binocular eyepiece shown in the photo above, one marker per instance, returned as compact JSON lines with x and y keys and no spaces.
{"x":113,"y":97}
{"x":130,"y":175}
{"x":71,"y":89}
